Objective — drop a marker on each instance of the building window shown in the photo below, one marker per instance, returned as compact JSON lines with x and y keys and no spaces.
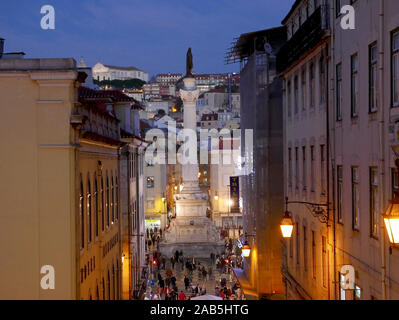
{"x":296,"y":169}
{"x":395,"y":69}
{"x":290,"y":168}
{"x":107,"y":204}
{"x":291,"y":247}
{"x":304,"y":171}
{"x":339,"y":193}
{"x":323,"y":169}
{"x":373,"y":201}
{"x":312,"y":168}
{"x":355,"y":198}
{"x":102,"y":204}
{"x":339,"y":91}
{"x":150,"y":204}
{"x":96,"y":206}
{"x":298,"y":243}
{"x":150,"y":182}
{"x":313,"y":255}
{"x":312,"y":85}
{"x":296,"y":94}
{"x":89,"y":213}
{"x":322,"y":80}
{"x":373,"y":78}
{"x":303,"y":88}
{"x":113,"y":282}
{"x":337,"y":8}
{"x":354,"y":85}
{"x":289,"y":98}
{"x":116,"y":198}
{"x":358,"y":292}
{"x":394,"y":183}
{"x":324,"y":260}
{"x":82,"y":214}
{"x":305,"y":249}
{"x":109,"y":286}
{"x":112,"y":199}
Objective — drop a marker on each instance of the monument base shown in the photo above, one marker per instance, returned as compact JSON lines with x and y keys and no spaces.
{"x":190,"y":250}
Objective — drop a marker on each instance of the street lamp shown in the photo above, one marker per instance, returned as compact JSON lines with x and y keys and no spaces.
{"x":317,"y":210}
{"x":391,"y":219}
{"x":246,"y":249}
{"x":391,"y":215}
{"x":287,"y":225}
{"x":216,"y":196}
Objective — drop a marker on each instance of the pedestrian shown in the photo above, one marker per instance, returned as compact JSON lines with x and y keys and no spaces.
{"x":173,"y":281}
{"x":203,"y":290}
{"x":186,"y":282}
{"x":209,"y":272}
{"x":167,"y":281}
{"x":177,"y":255}
{"x":204,"y":273}
{"x":169,"y":272}
{"x":162,"y":283}
{"x":172,"y":261}
{"x":182,"y":296}
{"x":217,"y":291}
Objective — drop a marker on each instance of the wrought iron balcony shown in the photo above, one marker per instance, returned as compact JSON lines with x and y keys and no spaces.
{"x":313,"y":30}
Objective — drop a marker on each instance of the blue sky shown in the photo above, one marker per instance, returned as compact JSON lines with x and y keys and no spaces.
{"x":152,"y":35}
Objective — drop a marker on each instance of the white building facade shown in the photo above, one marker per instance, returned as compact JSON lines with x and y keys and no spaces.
{"x":108,"y":72}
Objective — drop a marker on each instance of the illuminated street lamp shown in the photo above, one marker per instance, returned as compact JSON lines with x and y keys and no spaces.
{"x":391,"y":220}
{"x":287,"y":225}
{"x":216,"y":196}
{"x":163,"y":197}
{"x":391,"y":215}
{"x":246,"y":250}
{"x":318,"y":210}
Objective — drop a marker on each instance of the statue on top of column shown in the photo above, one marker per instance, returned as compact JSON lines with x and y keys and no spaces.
{"x":189,"y":64}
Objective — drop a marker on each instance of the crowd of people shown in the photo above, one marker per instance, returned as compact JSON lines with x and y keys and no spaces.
{"x":166,"y":288}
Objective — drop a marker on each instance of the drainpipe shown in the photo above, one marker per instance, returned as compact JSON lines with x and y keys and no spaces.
{"x":382,"y":143}
{"x":333,"y":167}
{"x":328,"y":155}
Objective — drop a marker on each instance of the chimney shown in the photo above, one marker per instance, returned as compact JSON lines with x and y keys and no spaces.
{"x":1,"y":47}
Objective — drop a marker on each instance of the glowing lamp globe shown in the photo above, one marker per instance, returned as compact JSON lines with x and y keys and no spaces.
{"x":391,"y":220}
{"x":287,"y":225}
{"x":246,"y":250}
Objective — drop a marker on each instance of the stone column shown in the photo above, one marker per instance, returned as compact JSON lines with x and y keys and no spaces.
{"x":189,"y":95}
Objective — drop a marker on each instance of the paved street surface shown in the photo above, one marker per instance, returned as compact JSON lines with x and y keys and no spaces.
{"x":196,"y":277}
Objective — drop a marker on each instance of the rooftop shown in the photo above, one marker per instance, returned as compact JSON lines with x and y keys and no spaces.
{"x":38,"y":64}
{"x":131,"y":68}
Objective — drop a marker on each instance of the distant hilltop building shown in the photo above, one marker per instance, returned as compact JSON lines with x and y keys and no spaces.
{"x":108,"y":72}
{"x":168,"y":78}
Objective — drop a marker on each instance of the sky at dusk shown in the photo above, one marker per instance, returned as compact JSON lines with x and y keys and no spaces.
{"x":152,"y":35}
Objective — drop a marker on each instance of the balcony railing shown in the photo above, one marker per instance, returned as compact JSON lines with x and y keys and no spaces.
{"x":306,"y":37}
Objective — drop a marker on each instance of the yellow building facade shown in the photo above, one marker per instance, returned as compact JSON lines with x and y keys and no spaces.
{"x":60,"y":158}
